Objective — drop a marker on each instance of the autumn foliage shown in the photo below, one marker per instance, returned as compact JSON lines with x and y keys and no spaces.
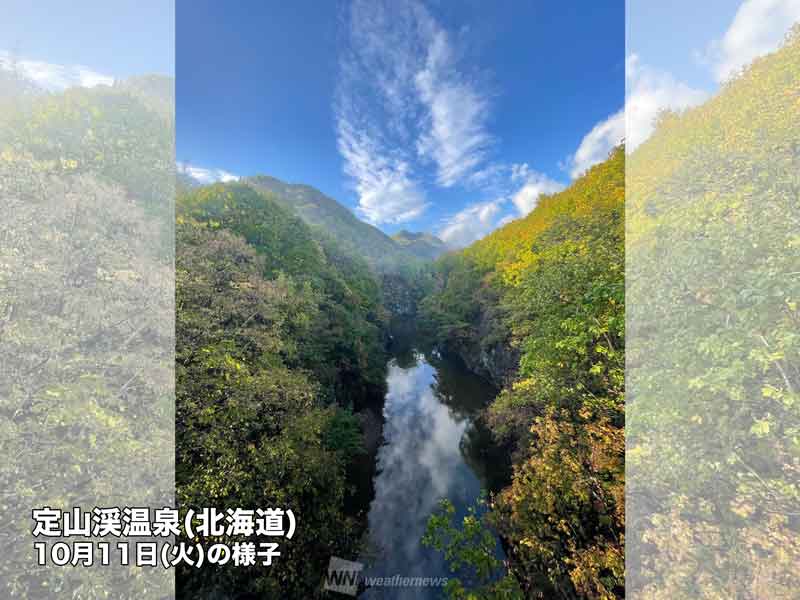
{"x":713,"y":346}
{"x":552,"y":286}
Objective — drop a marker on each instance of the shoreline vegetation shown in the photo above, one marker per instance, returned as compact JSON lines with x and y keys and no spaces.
{"x":538,"y":305}
{"x":281,"y":332}
{"x":281,"y":336}
{"x":278,"y":337}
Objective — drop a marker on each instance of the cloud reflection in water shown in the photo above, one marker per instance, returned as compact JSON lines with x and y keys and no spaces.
{"x":420,"y":463}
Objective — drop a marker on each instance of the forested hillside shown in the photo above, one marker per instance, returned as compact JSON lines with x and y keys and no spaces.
{"x":714,"y":343}
{"x":278,"y":335}
{"x":86,"y":307}
{"x":119,"y":133}
{"x":539,"y":305}
{"x":330,"y":219}
{"x":423,"y":245}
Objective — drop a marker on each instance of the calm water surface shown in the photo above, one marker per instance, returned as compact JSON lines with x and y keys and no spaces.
{"x":433,"y":448}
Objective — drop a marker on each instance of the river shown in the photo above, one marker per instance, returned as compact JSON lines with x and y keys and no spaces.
{"x":434,"y":447}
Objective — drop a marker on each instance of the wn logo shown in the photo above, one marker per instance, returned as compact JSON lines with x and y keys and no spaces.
{"x":343,"y":576}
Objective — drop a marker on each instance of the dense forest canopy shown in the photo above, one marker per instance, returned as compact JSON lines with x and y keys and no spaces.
{"x":714,"y":347}
{"x":282,"y":307}
{"x":278,"y":336}
{"x":551,"y":287}
{"x":86,"y":315}
{"x":329,"y":219}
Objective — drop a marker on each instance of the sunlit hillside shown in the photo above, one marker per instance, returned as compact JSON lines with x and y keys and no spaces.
{"x":713,"y":251}
{"x":539,"y":306}
{"x":333,"y":221}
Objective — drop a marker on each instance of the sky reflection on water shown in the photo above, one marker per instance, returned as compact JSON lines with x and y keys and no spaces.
{"x":420,"y":462}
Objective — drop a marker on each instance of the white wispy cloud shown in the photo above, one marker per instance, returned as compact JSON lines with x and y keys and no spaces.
{"x":536,"y":184}
{"x":403,"y":105}
{"x":478,"y":219}
{"x":52,"y":76}
{"x":596,"y":144}
{"x":457,"y":139}
{"x":520,"y":171}
{"x":488,"y":177}
{"x":650,"y":91}
{"x":471,"y":223}
{"x":205,"y":175}
{"x":386,"y":191}
{"x":758,"y":28}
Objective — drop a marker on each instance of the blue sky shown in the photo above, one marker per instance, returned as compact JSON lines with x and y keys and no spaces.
{"x":661,"y":32}
{"x":424,"y":114}
{"x":440,"y":116}
{"x":678,"y":53}
{"x":115,"y":39}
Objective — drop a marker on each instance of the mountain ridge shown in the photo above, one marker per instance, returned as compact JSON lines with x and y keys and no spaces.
{"x":383,"y":252}
{"x":421,"y":243}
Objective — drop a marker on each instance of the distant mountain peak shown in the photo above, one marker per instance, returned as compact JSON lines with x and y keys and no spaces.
{"x":405,"y":234}
{"x":334,"y":221}
{"x":421,"y":243}
{"x":340,"y":224}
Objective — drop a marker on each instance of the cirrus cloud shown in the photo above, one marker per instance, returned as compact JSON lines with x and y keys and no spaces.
{"x":471,"y":223}
{"x":404,"y":105}
{"x":457,"y":139}
{"x":386,"y":191}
